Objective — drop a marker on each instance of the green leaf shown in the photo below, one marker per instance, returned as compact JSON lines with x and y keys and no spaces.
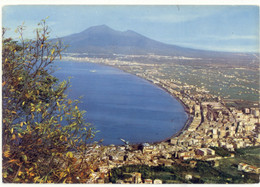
{"x":10,"y":169}
{"x":24,"y":158}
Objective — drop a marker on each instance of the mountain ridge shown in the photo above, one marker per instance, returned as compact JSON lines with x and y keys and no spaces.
{"x":111,"y":41}
{"x":102,"y":39}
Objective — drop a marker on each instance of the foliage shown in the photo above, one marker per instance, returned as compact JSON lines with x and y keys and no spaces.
{"x":248,"y":150}
{"x":221,"y":151}
{"x":44,"y":134}
{"x":147,"y":172}
{"x":202,"y":173}
{"x":249,"y":155}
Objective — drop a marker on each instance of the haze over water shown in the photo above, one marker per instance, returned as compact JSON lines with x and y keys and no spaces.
{"x":122,"y":105}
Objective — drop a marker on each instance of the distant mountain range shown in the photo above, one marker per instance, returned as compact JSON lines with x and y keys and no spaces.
{"x":104,"y":40}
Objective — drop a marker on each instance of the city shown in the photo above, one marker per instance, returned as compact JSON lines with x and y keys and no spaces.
{"x":211,"y":123}
{"x":133,"y":93}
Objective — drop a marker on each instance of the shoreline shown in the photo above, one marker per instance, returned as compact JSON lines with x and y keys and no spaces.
{"x":186,"y":124}
{"x":189,"y":119}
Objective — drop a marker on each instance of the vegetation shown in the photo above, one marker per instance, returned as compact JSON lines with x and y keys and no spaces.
{"x":148,"y":172}
{"x":44,"y":134}
{"x":221,"y":151}
{"x":203,"y":172}
{"x":249,"y":155}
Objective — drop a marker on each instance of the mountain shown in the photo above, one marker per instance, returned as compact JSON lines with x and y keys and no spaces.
{"x":104,"y":40}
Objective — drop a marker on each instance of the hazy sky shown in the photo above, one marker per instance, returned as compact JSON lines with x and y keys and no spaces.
{"x":222,"y":28}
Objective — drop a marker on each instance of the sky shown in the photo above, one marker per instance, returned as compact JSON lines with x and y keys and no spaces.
{"x":219,"y":28}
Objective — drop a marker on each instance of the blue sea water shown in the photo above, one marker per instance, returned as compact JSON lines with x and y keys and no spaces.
{"x":121,"y":105}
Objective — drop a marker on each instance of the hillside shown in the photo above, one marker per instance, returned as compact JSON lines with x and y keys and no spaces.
{"x":107,"y":41}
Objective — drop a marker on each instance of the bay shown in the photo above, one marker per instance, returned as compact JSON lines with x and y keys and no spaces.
{"x":121,"y":105}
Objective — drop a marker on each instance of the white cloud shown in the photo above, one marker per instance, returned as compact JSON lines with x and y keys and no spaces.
{"x":233,"y":37}
{"x":228,"y":48}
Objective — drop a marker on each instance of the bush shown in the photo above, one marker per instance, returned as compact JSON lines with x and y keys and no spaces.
{"x":44,"y":133}
{"x":221,"y":151}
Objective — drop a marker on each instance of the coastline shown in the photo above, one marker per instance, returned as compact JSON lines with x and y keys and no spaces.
{"x":185,"y":125}
{"x":188,"y":121}
{"x":190,"y":117}
{"x":192,"y":141}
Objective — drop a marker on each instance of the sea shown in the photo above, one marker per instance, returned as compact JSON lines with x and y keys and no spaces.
{"x":121,"y":105}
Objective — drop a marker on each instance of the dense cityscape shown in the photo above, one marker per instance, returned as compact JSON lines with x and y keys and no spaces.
{"x":213,"y":122}
{"x":130,"y":93}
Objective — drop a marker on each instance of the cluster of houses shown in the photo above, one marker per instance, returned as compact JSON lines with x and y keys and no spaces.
{"x":248,"y":168}
{"x":211,"y":124}
{"x":136,"y":178}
